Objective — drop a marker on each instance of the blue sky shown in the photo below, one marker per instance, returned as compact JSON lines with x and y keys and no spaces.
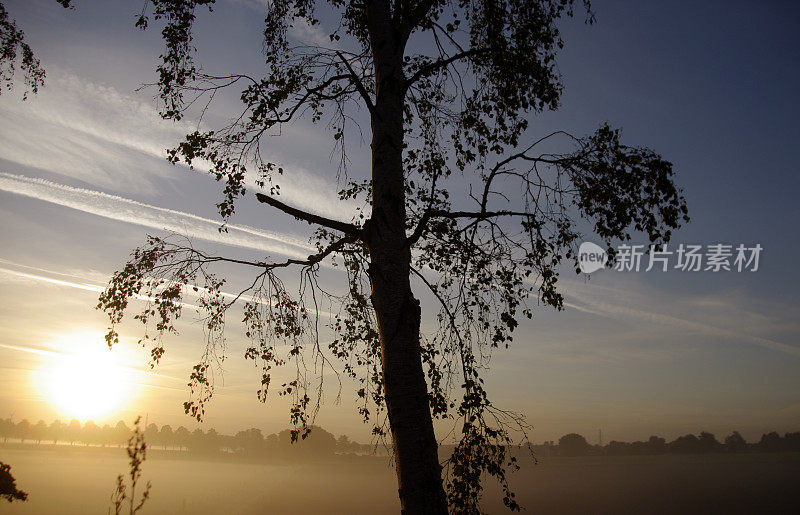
{"x":712,"y":87}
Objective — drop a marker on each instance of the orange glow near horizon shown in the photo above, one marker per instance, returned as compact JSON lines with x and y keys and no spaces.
{"x":84,"y":379}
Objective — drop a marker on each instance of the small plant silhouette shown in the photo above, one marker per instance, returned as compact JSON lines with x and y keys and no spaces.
{"x":8,"y":485}
{"x":137,"y":453}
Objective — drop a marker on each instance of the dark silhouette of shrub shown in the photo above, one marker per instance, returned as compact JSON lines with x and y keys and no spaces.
{"x":8,"y":485}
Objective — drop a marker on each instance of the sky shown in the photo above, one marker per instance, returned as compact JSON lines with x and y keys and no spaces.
{"x":712,"y":87}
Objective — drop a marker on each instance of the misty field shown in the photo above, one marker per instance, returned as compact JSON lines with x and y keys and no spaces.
{"x":78,"y":480}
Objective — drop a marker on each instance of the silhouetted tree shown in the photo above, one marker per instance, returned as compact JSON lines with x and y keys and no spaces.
{"x":344,"y":445}
{"x":792,"y":441}
{"x":212,"y":440}
{"x":770,"y":442}
{"x":685,"y":444}
{"x":165,"y":436}
{"x":182,"y":437}
{"x":707,"y":442}
{"x":121,"y":432}
{"x":460,"y":105}
{"x":39,"y":431}
{"x":8,"y":485}
{"x":656,"y":445}
{"x":12,"y":42}
{"x":107,"y":435}
{"x":6,"y":428}
{"x":23,"y":430}
{"x":151,"y":434}
{"x":318,"y":443}
{"x":73,"y":431}
{"x":56,"y":431}
{"x":461,"y":108}
{"x":15,"y":52}
{"x":204,"y":442}
{"x":734,"y":442}
{"x":616,"y":448}
{"x":90,"y":433}
{"x":573,"y":444}
{"x":250,"y":441}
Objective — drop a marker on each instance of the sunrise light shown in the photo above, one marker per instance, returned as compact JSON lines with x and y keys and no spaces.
{"x":85,"y":379}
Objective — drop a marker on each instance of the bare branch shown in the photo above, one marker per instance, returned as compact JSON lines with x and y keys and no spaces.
{"x":423,"y":222}
{"x":336,"y":225}
{"x":478,"y":215}
{"x":443,"y":63}
{"x":358,"y":84}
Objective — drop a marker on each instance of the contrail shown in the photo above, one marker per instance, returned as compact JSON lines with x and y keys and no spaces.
{"x":154,"y":217}
{"x":88,"y":286}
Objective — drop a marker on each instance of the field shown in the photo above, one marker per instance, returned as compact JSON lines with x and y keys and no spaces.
{"x":78,"y":480}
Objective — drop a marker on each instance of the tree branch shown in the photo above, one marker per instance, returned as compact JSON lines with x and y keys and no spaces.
{"x":442,"y":63}
{"x":414,"y":16}
{"x":423,"y":222}
{"x":450,"y":317}
{"x":349,"y":229}
{"x":475,"y":215}
{"x":311,"y":260}
{"x":358,"y":84}
{"x":478,"y":215}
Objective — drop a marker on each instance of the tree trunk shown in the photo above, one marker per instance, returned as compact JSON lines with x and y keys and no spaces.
{"x":397,"y":311}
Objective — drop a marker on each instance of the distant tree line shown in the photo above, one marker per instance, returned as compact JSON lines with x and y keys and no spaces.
{"x":574,"y":444}
{"x":251,"y":443}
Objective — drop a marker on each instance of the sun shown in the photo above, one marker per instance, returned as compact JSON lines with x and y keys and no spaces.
{"x":85,"y":379}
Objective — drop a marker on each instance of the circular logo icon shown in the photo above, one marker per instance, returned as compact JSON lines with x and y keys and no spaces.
{"x":591,"y":257}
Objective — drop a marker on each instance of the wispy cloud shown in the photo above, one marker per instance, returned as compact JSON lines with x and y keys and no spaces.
{"x":95,"y":282}
{"x":586,"y":299}
{"x":309,"y":34}
{"x":60,"y":354}
{"x":91,"y":276}
{"x":131,"y":211}
{"x":88,"y":131}
{"x":300,"y":30}
{"x":10,"y":273}
{"x":96,"y":134}
{"x":258,"y":5}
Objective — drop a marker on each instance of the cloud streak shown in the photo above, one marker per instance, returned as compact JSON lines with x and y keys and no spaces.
{"x":60,"y":354}
{"x":8,"y":272}
{"x":96,"y":134}
{"x":586,"y":303}
{"x":153,"y":217}
{"x":80,"y":282}
{"x":89,"y":131}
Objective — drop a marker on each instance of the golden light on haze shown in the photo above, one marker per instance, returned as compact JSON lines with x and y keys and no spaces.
{"x":84,"y":379}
